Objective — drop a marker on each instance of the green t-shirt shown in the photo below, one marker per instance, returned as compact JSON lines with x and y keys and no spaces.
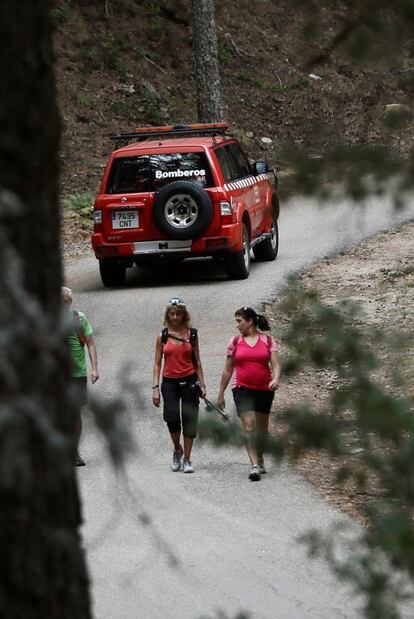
{"x":77,"y":351}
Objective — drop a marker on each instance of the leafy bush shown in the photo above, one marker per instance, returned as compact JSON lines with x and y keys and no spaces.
{"x":366,"y":427}
{"x":81,"y":204}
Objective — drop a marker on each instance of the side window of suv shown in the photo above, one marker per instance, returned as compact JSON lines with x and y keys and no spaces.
{"x":226,"y":163}
{"x":243,"y":166}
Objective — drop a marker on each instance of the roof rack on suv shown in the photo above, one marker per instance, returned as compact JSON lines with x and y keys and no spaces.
{"x":170,"y":131}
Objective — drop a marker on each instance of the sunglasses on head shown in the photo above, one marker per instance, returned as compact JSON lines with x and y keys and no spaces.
{"x":176,"y":302}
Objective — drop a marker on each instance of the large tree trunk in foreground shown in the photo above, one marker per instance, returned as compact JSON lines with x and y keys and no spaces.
{"x":42,"y":567}
{"x":206,"y":62}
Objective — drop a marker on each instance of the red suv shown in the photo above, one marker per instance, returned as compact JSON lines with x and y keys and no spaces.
{"x":183,"y":191}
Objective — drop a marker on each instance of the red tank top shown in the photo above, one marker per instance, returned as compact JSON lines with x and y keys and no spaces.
{"x":178,"y":360}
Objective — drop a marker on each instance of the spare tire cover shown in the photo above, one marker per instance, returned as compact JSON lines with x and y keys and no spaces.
{"x":182,"y":210}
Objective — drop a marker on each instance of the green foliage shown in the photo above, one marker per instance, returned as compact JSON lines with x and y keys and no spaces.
{"x":112,"y":418}
{"x":143,"y":112}
{"x":113,"y":57}
{"x":96,"y":54}
{"x":378,"y":39}
{"x":153,"y":6}
{"x":391,"y":274}
{"x":123,"y":108}
{"x":156,"y":29}
{"x":90,"y":57}
{"x":225,"y":50}
{"x":380,"y":35}
{"x":59,"y":15}
{"x":361,"y":169}
{"x":82,"y":99}
{"x":82,"y":205}
{"x":361,"y":418}
{"x":153,"y":115}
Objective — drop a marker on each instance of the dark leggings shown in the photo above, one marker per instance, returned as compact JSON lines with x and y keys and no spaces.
{"x":181,"y":403}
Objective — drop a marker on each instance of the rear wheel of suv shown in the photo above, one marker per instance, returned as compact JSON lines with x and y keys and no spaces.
{"x":238,"y":263}
{"x":267,"y":249}
{"x":182,"y":210}
{"x":112,"y":273}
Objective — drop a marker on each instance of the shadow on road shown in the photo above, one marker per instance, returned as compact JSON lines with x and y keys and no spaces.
{"x":200,"y":271}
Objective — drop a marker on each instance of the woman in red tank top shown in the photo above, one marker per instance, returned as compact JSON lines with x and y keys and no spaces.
{"x":182,"y":381}
{"x":252,"y":361}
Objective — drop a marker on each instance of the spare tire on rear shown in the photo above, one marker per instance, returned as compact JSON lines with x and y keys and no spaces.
{"x":182,"y":210}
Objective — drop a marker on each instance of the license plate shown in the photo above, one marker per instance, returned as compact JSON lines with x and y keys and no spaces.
{"x":122,"y":220}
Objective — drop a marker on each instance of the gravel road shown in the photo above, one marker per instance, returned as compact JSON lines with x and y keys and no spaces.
{"x":234,"y":542}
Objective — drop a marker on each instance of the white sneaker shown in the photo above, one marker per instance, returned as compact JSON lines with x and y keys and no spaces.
{"x":254,"y":474}
{"x":176,"y":460}
{"x":261,"y":465}
{"x":187,"y":466}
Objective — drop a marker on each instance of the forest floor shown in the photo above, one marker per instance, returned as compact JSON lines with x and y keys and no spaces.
{"x":377,"y":275}
{"x":128,"y":63}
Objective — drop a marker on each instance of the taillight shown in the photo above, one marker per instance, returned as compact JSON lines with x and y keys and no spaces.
{"x":97,"y":217}
{"x":228,"y":212}
{"x":225,"y":208}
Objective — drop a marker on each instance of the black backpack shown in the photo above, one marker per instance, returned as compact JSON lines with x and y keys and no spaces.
{"x":193,"y":338}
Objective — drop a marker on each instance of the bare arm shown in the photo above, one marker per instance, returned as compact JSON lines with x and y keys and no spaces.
{"x":156,"y":372}
{"x":93,"y":356}
{"x":225,"y":378}
{"x":276,"y":371}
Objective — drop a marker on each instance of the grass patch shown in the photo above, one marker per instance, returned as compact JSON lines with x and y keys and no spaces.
{"x":400,"y":272}
{"x":83,"y":100}
{"x":81,"y":204}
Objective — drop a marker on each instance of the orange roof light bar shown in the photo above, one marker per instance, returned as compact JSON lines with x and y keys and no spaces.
{"x":193,"y":127}
{"x":170,"y":131}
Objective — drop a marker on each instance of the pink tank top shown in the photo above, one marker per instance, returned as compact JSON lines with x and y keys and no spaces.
{"x":251,"y":363}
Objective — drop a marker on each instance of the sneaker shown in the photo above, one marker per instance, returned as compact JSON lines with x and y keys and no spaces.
{"x":254,"y":474}
{"x":79,"y":461}
{"x":261,"y":465}
{"x":187,"y":466}
{"x":176,"y":459}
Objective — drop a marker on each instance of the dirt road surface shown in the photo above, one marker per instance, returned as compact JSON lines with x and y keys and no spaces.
{"x":235,"y":542}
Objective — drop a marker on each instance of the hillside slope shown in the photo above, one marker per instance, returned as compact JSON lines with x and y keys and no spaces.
{"x":125,"y":63}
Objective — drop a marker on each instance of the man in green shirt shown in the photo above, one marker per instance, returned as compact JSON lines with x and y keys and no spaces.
{"x":79,"y":336}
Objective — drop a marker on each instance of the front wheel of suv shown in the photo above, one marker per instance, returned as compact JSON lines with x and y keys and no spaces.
{"x":238,"y":263}
{"x":112,"y":273}
{"x":267,"y":249}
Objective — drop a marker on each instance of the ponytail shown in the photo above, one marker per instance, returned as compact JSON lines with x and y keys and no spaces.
{"x":258,"y":320}
{"x":262,"y":323}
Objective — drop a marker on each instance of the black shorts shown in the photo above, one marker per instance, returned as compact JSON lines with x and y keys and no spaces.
{"x":181,"y":404}
{"x":257,"y":400}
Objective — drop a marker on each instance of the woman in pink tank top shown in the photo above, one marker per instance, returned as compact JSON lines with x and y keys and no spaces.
{"x":253,"y":362}
{"x":177,"y":354}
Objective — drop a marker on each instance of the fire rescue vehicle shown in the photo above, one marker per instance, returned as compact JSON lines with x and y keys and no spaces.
{"x":179,"y":192}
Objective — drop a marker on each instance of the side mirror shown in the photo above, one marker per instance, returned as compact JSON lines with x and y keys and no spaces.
{"x":260,"y":167}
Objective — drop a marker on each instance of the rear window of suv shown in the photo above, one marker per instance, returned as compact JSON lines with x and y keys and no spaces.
{"x":151,"y":172}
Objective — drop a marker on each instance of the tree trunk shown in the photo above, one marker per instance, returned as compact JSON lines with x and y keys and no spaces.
{"x":206,"y":64}
{"x":42,"y":566}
